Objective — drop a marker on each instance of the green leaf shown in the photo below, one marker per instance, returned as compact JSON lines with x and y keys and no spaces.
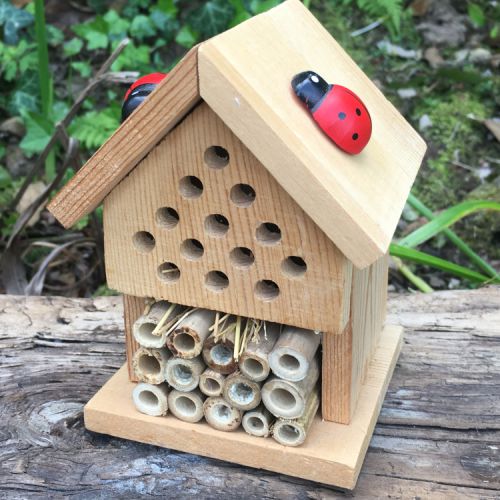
{"x":96,"y":40}
{"x":55,"y":36}
{"x":117,"y":26}
{"x":444,"y":265}
{"x":142,"y":27}
{"x":22,"y":101}
{"x":480,"y":263}
{"x":133,"y":58}
{"x":93,"y":128}
{"x":13,"y":20}
{"x":259,"y":6}
{"x":239,"y":18}
{"x":83,"y":68}
{"x":38,"y":132}
{"x":73,"y":47}
{"x":166,"y":25}
{"x":476,"y":14}
{"x":168,"y":7}
{"x":186,"y":37}
{"x":445,"y":219}
{"x":5,"y":178}
{"x":212,"y":17}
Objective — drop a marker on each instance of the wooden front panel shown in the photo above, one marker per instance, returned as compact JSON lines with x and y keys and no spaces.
{"x":269,"y":285}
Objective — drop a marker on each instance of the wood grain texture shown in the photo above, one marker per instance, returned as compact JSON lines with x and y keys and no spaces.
{"x":329,"y":460}
{"x":346,"y":357}
{"x":163,"y":109}
{"x":356,"y":200}
{"x":437,"y":435}
{"x":133,"y":307}
{"x":314,"y":300}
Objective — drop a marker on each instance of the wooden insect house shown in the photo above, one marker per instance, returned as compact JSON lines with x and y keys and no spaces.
{"x":252,"y":254}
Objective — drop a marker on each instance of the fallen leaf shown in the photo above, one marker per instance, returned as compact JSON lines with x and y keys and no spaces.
{"x":433,"y":57}
{"x":420,"y":7}
{"x":33,"y":191}
{"x":493,"y":125}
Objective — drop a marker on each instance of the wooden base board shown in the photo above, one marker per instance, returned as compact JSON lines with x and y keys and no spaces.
{"x":332,"y":454}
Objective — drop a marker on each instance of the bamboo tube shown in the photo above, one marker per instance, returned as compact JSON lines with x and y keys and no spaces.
{"x":218,"y":355}
{"x":186,"y":406}
{"x":184,"y":374}
{"x":149,"y":364}
{"x":254,"y":363}
{"x":258,"y":422}
{"x":145,"y":326}
{"x":287,"y":399}
{"x":186,"y":341}
{"x":241,"y":392}
{"x":211,"y":382}
{"x":293,"y":352}
{"x":220,"y":415}
{"x":151,"y":399}
{"x":294,"y":432}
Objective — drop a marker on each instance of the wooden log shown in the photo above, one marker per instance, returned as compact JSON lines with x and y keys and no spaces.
{"x":211,"y":382}
{"x":288,"y":399}
{"x":294,"y":432}
{"x":150,"y":364}
{"x":241,"y":392}
{"x":293,"y":352}
{"x":184,"y":374}
{"x":133,"y":307}
{"x":144,"y":327}
{"x":254,"y":363}
{"x":218,"y":354}
{"x":187,"y":340}
{"x":151,"y":399}
{"x":186,"y":406}
{"x":220,"y":415}
{"x":258,"y":422}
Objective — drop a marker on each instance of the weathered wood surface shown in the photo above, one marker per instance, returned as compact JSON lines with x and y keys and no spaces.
{"x":438,"y":434}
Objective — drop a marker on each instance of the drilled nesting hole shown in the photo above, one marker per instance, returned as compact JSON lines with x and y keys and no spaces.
{"x":253,"y":367}
{"x":288,"y":433}
{"x":143,"y":241}
{"x":223,"y":412}
{"x":294,"y":267}
{"x":241,"y":257}
{"x":190,"y":187}
{"x":283,"y":399}
{"x":266,"y":290}
{"x":216,"y":157}
{"x":212,"y":385}
{"x":256,"y":424}
{"x":268,"y":233}
{"x":216,"y":281}
{"x":192,"y":249}
{"x":216,"y":225}
{"x":242,"y":195}
{"x":184,"y":342}
{"x":168,"y":272}
{"x":167,"y":217}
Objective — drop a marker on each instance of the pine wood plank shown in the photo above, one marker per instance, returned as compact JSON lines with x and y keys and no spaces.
{"x":356,"y":200}
{"x":318,"y":299}
{"x":159,"y":114}
{"x":133,"y":307}
{"x":333,"y":452}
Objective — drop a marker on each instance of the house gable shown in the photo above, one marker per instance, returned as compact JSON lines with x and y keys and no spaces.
{"x":206,"y":213}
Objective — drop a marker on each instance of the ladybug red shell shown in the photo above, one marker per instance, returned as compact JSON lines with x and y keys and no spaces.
{"x":338,"y":111}
{"x":138,"y":91}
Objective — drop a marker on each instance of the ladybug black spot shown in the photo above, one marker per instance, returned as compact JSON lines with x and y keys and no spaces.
{"x":358,"y":111}
{"x":342,"y":115}
{"x":355,"y":137}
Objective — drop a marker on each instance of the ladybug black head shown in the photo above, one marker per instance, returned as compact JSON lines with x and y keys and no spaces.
{"x":136,"y":97}
{"x":310,"y":88}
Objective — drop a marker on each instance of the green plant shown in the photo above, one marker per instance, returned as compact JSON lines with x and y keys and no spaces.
{"x":404,"y":248}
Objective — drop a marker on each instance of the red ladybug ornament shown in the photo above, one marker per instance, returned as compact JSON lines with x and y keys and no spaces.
{"x":338,"y":111}
{"x":138,"y":92}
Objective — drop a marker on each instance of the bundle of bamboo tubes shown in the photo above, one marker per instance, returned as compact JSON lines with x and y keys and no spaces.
{"x":230,"y":370}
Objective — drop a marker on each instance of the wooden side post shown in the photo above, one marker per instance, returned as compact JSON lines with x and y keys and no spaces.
{"x":133,"y":307}
{"x":346,"y":356}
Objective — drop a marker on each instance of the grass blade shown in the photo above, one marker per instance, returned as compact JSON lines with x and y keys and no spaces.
{"x":445,"y":219}
{"x":480,"y":263}
{"x":411,"y":276}
{"x":449,"y":267}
